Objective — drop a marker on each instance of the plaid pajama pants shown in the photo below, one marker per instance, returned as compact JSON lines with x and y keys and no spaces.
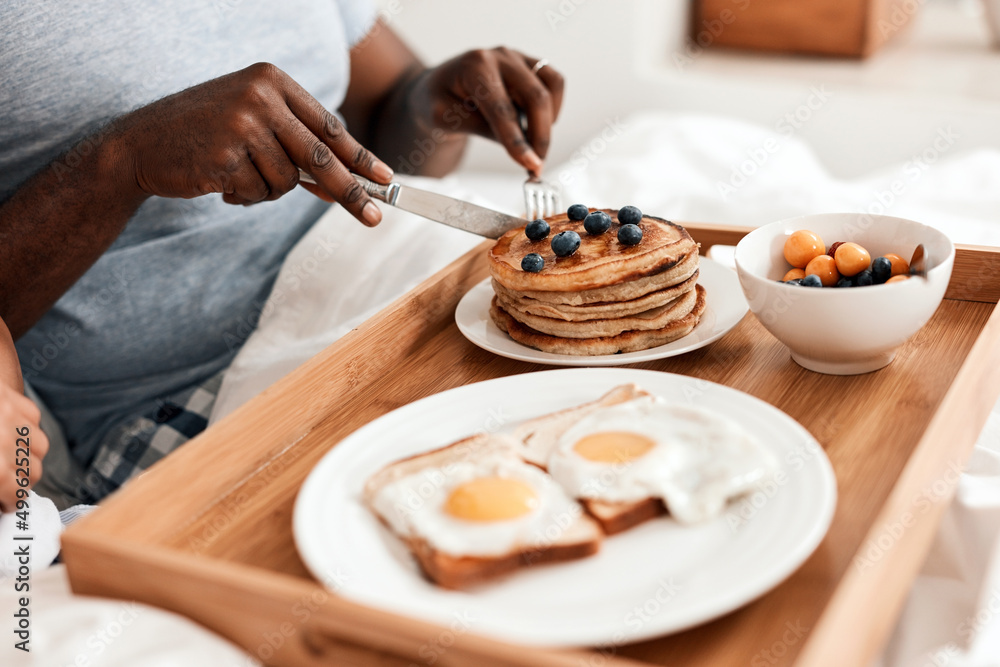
{"x":138,"y":442}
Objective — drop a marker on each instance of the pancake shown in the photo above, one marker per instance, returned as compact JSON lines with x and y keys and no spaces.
{"x":605,"y":298}
{"x":515,"y":302}
{"x":627,"y":291}
{"x":628,"y":341}
{"x":601,"y":261}
{"x":650,"y":320}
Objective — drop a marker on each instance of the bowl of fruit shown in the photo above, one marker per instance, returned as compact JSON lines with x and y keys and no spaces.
{"x":837,"y":288}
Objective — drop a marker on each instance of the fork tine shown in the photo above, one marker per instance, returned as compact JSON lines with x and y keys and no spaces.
{"x":554,"y":200}
{"x":537,"y":207}
{"x":541,"y":199}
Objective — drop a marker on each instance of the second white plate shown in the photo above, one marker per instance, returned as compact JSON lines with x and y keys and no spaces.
{"x":726,"y":307}
{"x":657,"y":578}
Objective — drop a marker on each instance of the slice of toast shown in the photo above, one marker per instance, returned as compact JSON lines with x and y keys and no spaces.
{"x":580,"y":538}
{"x":619,"y":517}
{"x":460,"y":572}
{"x":539,"y":437}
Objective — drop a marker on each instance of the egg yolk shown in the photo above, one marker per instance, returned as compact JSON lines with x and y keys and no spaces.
{"x":613,"y":446}
{"x":491,"y":499}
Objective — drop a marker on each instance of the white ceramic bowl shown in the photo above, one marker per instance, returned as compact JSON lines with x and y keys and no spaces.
{"x":844,"y":331}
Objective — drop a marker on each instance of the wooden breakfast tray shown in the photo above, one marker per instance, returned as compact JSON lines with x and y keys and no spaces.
{"x":208,"y":531}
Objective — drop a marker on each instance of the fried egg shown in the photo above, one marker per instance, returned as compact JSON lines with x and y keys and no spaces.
{"x":490,"y":506}
{"x":694,"y":459}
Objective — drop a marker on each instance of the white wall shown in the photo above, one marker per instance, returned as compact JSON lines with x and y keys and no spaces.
{"x":625,"y":55}
{"x":594,"y":43}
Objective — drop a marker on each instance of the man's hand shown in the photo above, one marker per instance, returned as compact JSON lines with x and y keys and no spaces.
{"x":16,"y":412}
{"x":246,"y":135}
{"x":418,"y":118}
{"x":483,"y":92}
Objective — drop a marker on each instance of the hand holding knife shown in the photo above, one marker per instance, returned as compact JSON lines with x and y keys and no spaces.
{"x":439,"y":208}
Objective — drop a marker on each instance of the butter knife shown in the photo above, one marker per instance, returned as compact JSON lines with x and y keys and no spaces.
{"x":439,"y":208}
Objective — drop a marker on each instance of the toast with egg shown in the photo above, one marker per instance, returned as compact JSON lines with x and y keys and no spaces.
{"x":475,"y":510}
{"x":539,"y":436}
{"x":630,"y":456}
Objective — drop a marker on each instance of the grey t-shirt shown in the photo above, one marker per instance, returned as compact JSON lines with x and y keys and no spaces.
{"x":178,"y":292}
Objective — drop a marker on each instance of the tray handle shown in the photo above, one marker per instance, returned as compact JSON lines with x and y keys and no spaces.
{"x":330,"y":638}
{"x":322,"y":641}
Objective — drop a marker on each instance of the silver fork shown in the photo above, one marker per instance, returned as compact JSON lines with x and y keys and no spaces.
{"x":541,"y":199}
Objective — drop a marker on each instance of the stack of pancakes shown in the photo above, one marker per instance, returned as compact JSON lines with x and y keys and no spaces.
{"x":605,"y":298}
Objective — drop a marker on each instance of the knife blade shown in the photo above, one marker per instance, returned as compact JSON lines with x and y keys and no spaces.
{"x":439,"y":208}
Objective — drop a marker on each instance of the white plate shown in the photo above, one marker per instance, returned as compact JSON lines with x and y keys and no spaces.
{"x":725,"y":308}
{"x":658,"y":578}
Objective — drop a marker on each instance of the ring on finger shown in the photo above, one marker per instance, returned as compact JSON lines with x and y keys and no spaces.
{"x":539,"y":65}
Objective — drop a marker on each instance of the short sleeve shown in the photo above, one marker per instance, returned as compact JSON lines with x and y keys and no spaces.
{"x":358,"y":17}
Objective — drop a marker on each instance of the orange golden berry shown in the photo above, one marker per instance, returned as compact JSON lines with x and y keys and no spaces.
{"x":898,"y":279}
{"x":802,"y":246}
{"x":899,"y":265}
{"x":825,"y":267}
{"x":852,"y":259}
{"x":793,"y":274}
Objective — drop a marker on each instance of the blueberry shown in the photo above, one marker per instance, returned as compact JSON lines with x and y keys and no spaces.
{"x":864,"y":278}
{"x":577,"y":212}
{"x":629,"y":234}
{"x":845,"y":282}
{"x":565,"y":243}
{"x":812,"y":280}
{"x":881,"y":270}
{"x":532,"y":263}
{"x":537,"y":230}
{"x":597,"y":222}
{"x":629,"y":215}
{"x":794,"y":281}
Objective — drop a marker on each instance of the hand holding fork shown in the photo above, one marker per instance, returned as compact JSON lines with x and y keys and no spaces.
{"x":541,"y":199}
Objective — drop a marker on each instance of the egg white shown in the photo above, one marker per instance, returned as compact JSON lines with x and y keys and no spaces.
{"x":700,"y":460}
{"x":414,"y":506}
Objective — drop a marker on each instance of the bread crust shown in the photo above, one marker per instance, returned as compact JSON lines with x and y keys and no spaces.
{"x":462,"y":572}
{"x":615,"y":518}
